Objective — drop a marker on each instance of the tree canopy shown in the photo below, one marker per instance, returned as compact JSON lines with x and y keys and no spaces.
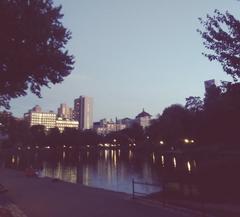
{"x":222,"y":36}
{"x":33,"y":53}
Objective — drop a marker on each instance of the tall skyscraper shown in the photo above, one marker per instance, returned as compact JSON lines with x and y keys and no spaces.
{"x":65,"y":112}
{"x":83,"y":112}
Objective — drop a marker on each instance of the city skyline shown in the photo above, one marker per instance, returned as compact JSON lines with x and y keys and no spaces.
{"x":83,"y":112}
{"x":150,"y":57}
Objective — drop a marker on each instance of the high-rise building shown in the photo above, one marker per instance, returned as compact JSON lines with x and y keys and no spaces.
{"x":36,"y":108}
{"x":83,"y":112}
{"x":61,"y":124}
{"x":47,"y":119}
{"x":65,"y":112}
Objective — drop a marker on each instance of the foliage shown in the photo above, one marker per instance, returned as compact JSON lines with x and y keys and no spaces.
{"x":175,"y":123}
{"x":32,"y":42}
{"x":5,"y":121}
{"x":222,"y":36}
{"x":38,"y":134}
{"x":194,"y":104}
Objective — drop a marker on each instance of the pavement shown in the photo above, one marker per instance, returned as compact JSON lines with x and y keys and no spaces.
{"x":43,"y":197}
{"x":8,"y":208}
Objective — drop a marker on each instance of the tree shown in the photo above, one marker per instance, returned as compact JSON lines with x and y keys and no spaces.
{"x":175,"y":124}
{"x":222,"y":114}
{"x":54,"y":137}
{"x":222,"y":36}
{"x":32,"y":54}
{"x":194,"y":104}
{"x":38,"y":134}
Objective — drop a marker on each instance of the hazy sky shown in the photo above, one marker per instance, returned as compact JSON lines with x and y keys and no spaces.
{"x":132,"y":54}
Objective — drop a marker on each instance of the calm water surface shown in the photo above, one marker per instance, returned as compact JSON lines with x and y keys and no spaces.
{"x":107,"y":169}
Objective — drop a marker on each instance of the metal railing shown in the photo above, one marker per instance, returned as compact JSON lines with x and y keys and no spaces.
{"x":136,"y":193}
{"x":164,"y":199}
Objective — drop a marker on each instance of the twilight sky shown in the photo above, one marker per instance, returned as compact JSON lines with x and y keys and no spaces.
{"x":132,"y":54}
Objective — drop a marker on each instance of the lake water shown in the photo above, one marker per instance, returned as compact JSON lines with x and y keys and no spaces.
{"x":107,"y":169}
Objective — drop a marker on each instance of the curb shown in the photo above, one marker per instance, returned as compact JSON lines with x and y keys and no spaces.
{"x":172,"y":207}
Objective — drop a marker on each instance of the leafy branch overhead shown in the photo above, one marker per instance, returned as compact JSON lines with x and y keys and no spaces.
{"x":222,"y":36}
{"x":33,"y":53}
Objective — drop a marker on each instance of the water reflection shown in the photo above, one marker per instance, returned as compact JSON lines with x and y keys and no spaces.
{"x":13,"y":159}
{"x":174,"y":162}
{"x":162,"y":160}
{"x":130,"y":154}
{"x":189,"y":167}
{"x":153,"y":158}
{"x":109,"y":169}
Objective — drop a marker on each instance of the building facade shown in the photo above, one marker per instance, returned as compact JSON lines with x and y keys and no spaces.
{"x":65,"y":112}
{"x":83,"y":112}
{"x":143,"y":119}
{"x":61,"y":124}
{"x":103,"y":127}
{"x":49,"y":120}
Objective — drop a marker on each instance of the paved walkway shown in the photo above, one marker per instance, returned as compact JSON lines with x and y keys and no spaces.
{"x":8,"y":208}
{"x":40,"y":197}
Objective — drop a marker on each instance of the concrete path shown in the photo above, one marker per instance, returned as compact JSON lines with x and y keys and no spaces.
{"x":40,"y":197}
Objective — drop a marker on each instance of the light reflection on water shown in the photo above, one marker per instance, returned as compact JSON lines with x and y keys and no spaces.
{"x":108,"y":169}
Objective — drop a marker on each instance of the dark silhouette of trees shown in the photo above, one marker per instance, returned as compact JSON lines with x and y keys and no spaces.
{"x":194,"y":104}
{"x":6,"y":119}
{"x":54,"y":137}
{"x":222,"y":36}
{"x":176,"y":125}
{"x":89,"y":138}
{"x":32,"y":42}
{"x":222,"y":113}
{"x":38,"y":135}
{"x":70,"y":136}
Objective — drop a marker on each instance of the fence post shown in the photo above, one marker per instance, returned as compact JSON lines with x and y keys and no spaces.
{"x":133,"y":191}
{"x":163,"y":193}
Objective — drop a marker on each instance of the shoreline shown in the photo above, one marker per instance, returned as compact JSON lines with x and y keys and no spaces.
{"x":19,"y":185}
{"x":40,"y":197}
